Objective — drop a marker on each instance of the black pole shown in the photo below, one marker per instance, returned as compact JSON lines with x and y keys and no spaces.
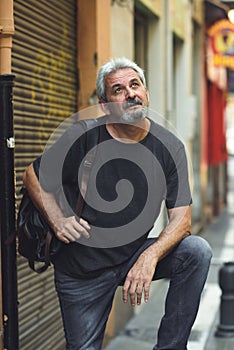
{"x":226,"y":282}
{"x":7,"y":215}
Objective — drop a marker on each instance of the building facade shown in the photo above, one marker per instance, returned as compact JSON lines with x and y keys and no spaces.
{"x":55,"y":49}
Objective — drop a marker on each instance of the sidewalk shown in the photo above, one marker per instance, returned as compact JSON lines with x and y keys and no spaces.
{"x":140,"y":332}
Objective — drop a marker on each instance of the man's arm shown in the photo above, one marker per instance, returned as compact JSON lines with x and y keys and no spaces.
{"x":67,"y":229}
{"x":140,"y":275}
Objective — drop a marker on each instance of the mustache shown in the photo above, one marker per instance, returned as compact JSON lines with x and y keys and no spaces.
{"x":132,"y":102}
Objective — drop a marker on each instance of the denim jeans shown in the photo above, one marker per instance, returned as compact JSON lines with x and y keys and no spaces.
{"x":86,"y":303}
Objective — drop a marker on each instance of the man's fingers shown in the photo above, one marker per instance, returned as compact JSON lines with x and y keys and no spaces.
{"x":125,"y":291}
{"x":139,"y":291}
{"x":70,"y":230}
{"x":146,"y":292}
{"x":81,"y":231}
{"x":85,"y":224}
{"x":132,"y":293}
{"x":82,"y":227}
{"x":66,"y":238}
{"x":135,"y":292}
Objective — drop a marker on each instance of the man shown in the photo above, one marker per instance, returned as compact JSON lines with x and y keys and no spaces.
{"x":88,"y":269}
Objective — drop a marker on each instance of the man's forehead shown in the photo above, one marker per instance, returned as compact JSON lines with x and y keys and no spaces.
{"x":122,"y":75}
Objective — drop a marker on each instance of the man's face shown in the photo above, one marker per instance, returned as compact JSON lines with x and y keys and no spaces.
{"x":126,"y":95}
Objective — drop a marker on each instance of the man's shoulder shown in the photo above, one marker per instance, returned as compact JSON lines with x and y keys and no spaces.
{"x":80,"y":127}
{"x":93,"y":122}
{"x":166,"y":135}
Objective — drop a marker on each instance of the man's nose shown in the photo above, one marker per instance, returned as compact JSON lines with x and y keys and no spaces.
{"x":130,"y":93}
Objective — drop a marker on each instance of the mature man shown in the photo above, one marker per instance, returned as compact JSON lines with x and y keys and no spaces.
{"x":140,"y":166}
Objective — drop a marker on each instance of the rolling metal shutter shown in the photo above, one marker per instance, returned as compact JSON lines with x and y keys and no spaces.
{"x":45,"y":93}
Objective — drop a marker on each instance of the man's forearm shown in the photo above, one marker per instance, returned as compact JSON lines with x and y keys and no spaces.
{"x":44,"y":201}
{"x":67,"y":229}
{"x":179,"y":227}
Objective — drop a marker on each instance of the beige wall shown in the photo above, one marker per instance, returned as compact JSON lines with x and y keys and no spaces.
{"x":122,"y":31}
{"x":93,"y":45}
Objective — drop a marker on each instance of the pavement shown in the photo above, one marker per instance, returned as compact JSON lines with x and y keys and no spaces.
{"x":140,"y":332}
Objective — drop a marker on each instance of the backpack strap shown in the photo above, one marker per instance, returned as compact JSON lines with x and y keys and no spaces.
{"x":44,"y":267}
{"x":91,"y":141}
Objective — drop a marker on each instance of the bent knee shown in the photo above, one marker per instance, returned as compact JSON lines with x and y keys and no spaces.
{"x":199,"y":248}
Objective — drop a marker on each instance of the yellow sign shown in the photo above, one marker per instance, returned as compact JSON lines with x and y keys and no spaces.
{"x":222,"y":43}
{"x":155,"y":6}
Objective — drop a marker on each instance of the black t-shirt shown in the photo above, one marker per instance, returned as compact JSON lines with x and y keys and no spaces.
{"x":127,"y":186}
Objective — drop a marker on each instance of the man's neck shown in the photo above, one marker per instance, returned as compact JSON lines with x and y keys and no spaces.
{"x":128,"y":133}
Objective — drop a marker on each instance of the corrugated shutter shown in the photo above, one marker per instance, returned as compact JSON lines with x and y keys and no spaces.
{"x":45,"y":93}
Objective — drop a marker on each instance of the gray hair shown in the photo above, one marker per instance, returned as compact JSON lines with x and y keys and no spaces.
{"x":112,"y":66}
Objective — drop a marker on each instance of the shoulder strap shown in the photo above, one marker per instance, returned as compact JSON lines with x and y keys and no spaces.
{"x":91,"y":141}
{"x":44,"y":267}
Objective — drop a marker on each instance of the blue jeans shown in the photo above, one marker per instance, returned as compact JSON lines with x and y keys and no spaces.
{"x":86,"y":303}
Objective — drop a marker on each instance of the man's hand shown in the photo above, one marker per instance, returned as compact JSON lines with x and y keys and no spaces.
{"x":70,"y":230}
{"x":139,"y":278}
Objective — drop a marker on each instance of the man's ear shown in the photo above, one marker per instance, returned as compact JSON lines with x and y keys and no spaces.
{"x":147,"y":94}
{"x":104,"y":106}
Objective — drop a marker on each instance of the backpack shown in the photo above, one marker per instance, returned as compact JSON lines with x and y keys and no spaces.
{"x":36,"y":240}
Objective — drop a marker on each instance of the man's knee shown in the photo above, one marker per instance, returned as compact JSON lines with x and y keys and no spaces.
{"x":198,"y":249}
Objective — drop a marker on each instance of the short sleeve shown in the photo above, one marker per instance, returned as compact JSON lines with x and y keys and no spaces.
{"x":178,"y":188}
{"x":60,"y":162}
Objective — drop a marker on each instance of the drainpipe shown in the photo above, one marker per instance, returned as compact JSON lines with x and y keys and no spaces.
{"x":168,"y":61}
{"x":6,"y":33}
{"x":7,"y":189}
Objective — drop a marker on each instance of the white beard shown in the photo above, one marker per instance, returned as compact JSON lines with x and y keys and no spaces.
{"x":134,"y":115}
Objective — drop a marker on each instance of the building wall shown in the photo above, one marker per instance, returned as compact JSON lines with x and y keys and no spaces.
{"x":93,"y":44}
{"x":106,"y":29}
{"x":122,"y":31}
{"x":186,"y":90}
{"x":157,"y":65}
{"x":175,"y":72}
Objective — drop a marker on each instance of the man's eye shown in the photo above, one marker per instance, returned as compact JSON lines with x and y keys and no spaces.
{"x":135,"y":85}
{"x":118,"y":90}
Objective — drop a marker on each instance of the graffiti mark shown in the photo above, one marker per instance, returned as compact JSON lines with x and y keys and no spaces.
{"x":52,"y":90}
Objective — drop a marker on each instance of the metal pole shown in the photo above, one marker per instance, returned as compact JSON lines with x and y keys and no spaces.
{"x":7,"y":215}
{"x":226,"y":282}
